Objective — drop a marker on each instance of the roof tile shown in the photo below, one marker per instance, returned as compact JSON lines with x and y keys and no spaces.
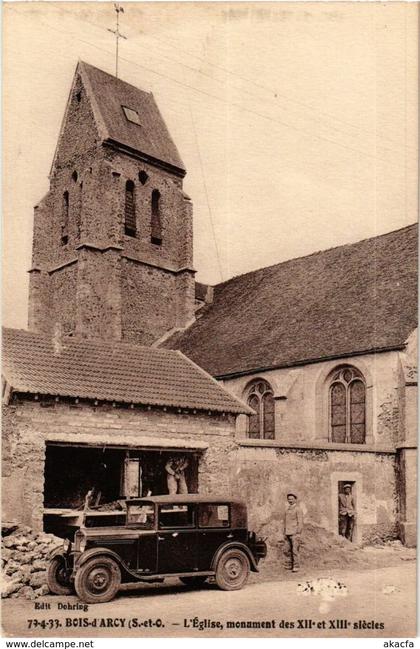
{"x":346,"y":300}
{"x":152,"y":137}
{"x":113,"y":371}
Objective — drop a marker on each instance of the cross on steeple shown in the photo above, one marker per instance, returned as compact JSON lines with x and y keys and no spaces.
{"x":117,"y":33}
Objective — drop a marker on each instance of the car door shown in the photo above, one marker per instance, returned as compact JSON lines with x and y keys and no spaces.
{"x":147,"y":552}
{"x":214,"y":530}
{"x":177,"y":538}
{"x":141,"y":527}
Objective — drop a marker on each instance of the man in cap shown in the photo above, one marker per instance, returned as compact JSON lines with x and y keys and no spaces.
{"x":293,"y":523}
{"x":346,"y":513}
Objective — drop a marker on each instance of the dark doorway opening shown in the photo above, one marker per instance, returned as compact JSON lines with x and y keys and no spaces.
{"x":114,"y":473}
{"x":71,"y":471}
{"x":347,"y":509}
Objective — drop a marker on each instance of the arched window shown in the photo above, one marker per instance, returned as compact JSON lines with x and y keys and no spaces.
{"x":65,"y":219}
{"x":156,"y":225}
{"x":261,"y":399}
{"x":130,"y":209}
{"x":347,"y":405}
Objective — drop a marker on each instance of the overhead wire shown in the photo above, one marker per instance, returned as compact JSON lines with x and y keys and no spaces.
{"x":203,"y":175}
{"x":304,"y":132}
{"x":270,"y":90}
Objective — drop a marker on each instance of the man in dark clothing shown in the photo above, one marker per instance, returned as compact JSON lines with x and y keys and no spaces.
{"x":346,"y":513}
{"x":293,"y":523}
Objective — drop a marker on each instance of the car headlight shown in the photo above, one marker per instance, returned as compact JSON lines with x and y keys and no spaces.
{"x":66,"y":545}
{"x":79,"y":541}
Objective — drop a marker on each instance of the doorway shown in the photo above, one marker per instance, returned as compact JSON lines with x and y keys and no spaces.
{"x":114,"y":473}
{"x":347,"y":509}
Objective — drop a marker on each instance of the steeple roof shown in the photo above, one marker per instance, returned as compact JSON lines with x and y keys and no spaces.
{"x":128,"y":118}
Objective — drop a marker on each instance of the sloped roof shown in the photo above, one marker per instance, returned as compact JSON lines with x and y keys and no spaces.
{"x":342,"y":301}
{"x":114,"y":371}
{"x":109,"y":95}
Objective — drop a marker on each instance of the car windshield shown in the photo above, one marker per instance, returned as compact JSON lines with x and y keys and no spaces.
{"x":141,"y":516}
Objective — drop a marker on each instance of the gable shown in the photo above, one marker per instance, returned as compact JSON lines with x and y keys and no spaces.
{"x":80,"y":130}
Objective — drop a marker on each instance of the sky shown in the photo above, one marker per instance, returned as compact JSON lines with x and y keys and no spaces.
{"x":297,"y":122}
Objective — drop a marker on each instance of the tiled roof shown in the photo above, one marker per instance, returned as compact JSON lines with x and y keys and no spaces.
{"x":110,"y":94}
{"x":114,"y":371}
{"x":347,"y":300}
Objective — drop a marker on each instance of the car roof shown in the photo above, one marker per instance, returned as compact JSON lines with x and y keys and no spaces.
{"x":167,"y":499}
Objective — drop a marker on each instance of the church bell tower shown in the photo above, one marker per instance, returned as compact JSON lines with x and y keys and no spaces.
{"x":112,"y":246}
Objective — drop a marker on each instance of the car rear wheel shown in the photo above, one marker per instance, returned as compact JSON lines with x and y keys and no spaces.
{"x":194,"y":582}
{"x":232,"y":570}
{"x":98,"y":580}
{"x":58,"y":577}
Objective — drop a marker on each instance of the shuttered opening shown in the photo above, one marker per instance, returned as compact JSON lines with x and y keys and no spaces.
{"x":130,"y":209}
{"x":156,"y":234}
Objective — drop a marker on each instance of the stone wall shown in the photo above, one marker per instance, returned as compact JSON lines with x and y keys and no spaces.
{"x":147,"y":290}
{"x":63,"y":302}
{"x":264,"y":475}
{"x":29,"y":425}
{"x":383,"y":468}
{"x":176,"y":249}
{"x":261,"y":476}
{"x":98,"y":294}
{"x":79,"y":135}
{"x":301,"y":395}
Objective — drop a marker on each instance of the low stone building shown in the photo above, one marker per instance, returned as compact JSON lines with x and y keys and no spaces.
{"x":84,"y":415}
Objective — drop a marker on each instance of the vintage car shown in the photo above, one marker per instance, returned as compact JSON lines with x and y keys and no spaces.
{"x":192,"y":537}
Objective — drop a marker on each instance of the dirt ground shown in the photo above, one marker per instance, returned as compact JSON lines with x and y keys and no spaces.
{"x":362,"y":602}
{"x":321,"y":549}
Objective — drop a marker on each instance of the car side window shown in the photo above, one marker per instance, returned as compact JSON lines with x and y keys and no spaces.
{"x":141,"y":516}
{"x":176,"y":516}
{"x":210,"y":515}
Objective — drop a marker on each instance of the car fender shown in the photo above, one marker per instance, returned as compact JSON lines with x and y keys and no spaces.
{"x":237,"y":545}
{"x":58,"y":552}
{"x":101,"y":552}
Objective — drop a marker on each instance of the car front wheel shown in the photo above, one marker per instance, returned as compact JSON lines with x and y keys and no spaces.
{"x":98,"y":580}
{"x":58,"y":580}
{"x":232,"y":570}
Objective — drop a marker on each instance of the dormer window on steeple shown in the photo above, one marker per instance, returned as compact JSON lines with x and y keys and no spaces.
{"x":131,"y":115}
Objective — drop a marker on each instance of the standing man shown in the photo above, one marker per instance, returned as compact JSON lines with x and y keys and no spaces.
{"x":346,"y":513}
{"x":175,"y":469}
{"x":293,"y":523}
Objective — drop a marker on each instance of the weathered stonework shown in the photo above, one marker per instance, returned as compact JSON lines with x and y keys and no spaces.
{"x":264,"y":476}
{"x":303,"y":458}
{"x":29,"y":425}
{"x":97,"y":281}
{"x":301,"y":396}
